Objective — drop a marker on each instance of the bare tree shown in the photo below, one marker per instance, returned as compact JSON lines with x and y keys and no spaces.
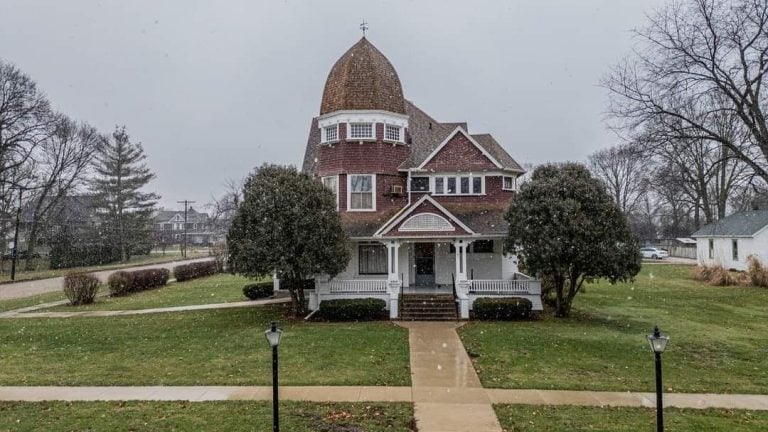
{"x":624,"y":171}
{"x":224,"y":207}
{"x":62,"y":162}
{"x":699,"y":61}
{"x":24,"y":120}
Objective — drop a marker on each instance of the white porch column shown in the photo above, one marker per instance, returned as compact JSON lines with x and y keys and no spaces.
{"x":462,"y":282}
{"x":393,"y":276}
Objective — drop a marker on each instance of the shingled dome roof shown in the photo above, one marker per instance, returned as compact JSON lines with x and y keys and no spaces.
{"x":363,"y":79}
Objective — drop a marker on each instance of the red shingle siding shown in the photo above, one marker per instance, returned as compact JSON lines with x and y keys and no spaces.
{"x":459,"y":154}
{"x":366,"y":158}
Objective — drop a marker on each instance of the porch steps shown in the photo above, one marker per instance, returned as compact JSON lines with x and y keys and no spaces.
{"x":427,"y":307}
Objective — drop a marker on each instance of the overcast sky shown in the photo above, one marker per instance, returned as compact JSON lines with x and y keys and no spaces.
{"x":213,"y":89}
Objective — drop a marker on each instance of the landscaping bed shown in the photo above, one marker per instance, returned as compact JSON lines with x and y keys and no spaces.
{"x":532,"y":418}
{"x":224,"y":347}
{"x":717,"y":339}
{"x":230,"y":416}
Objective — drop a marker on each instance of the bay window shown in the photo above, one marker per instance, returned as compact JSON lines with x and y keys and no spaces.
{"x":361,"y":131}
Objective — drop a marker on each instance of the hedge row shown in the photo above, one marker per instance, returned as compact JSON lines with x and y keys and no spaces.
{"x":81,"y":288}
{"x":259,"y":290}
{"x":502,"y":308}
{"x":195,"y":270}
{"x":127,"y":282}
{"x":353,"y":310}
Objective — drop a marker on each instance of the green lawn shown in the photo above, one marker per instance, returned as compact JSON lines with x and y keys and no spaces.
{"x":717,"y":341}
{"x":199,"y":348}
{"x":7,"y":305}
{"x":41,"y":270}
{"x":232,"y":416}
{"x":221,"y":288}
{"x":532,"y":418}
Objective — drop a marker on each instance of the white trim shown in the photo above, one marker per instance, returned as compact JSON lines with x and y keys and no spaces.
{"x":400,"y":133}
{"x":349,"y":193}
{"x":458,"y":177}
{"x":397,"y":218}
{"x":363,"y":116}
{"x":469,"y":137}
{"x":322,"y":180}
{"x":404,"y":229}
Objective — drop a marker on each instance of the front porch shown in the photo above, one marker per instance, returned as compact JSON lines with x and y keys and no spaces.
{"x":465,"y":268}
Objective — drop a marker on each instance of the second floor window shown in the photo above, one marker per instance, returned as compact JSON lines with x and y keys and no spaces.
{"x":361,"y":192}
{"x":361,"y":130}
{"x":509,"y":183}
{"x":458,"y":185}
{"x":332,"y":183}
{"x":419,"y":184}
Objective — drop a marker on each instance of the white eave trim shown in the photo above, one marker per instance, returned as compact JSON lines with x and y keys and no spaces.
{"x":362,"y":116}
{"x":449,"y":138}
{"x":396,"y":219}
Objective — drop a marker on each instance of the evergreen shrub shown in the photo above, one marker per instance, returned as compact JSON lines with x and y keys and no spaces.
{"x":504,"y":309}
{"x":353,"y":309}
{"x":195,"y":270}
{"x":258,"y":290}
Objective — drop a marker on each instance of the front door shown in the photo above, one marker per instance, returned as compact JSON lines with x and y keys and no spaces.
{"x":425,"y":264}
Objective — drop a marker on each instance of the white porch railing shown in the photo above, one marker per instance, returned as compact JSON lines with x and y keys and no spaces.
{"x":522,"y":284}
{"x":358,"y":286}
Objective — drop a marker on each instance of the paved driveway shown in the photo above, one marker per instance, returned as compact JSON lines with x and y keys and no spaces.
{"x":31,"y":288}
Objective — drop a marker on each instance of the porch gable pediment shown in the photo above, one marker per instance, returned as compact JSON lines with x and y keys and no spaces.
{"x":425,"y":217}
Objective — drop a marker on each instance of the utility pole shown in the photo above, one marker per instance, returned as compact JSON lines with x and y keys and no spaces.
{"x":15,"y":252}
{"x":184,"y":247}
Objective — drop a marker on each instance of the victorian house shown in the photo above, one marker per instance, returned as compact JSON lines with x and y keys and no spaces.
{"x":422,"y":201}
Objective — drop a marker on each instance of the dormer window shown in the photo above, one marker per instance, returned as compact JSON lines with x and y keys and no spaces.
{"x":393,"y":133}
{"x":331,"y":133}
{"x":361,"y":131}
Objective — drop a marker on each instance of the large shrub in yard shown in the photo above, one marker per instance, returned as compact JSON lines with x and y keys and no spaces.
{"x":128,"y":282}
{"x":758,"y":274}
{"x":564,"y":226}
{"x":195,"y":270}
{"x":81,"y":288}
{"x":288,"y":224}
{"x":353,"y":309}
{"x":502,"y":308}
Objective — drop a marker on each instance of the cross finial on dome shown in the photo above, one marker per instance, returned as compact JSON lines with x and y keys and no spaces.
{"x":364,"y":27}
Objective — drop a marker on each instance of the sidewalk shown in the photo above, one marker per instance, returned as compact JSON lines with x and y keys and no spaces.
{"x":31,"y":288}
{"x":455,"y":395}
{"x":447,"y":393}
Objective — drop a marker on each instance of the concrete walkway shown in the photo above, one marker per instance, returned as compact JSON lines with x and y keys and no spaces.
{"x":447,"y":393}
{"x":383,"y":394}
{"x":41,"y":286}
{"x":24,"y":312}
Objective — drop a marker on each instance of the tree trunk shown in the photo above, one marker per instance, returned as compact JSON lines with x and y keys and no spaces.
{"x":31,"y":245}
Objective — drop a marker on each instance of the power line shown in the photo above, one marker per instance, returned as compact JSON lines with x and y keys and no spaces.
{"x":186,"y":203}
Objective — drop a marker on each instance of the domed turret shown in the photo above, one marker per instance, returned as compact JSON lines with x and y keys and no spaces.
{"x":363,"y":79}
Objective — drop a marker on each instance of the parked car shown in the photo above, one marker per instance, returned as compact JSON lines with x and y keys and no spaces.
{"x":654,"y":253}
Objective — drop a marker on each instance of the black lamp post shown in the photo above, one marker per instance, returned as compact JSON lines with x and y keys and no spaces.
{"x":658,"y":343}
{"x":273,"y":337}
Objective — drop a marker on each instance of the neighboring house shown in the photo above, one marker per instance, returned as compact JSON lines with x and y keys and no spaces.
{"x":169,"y":227}
{"x":731,"y":240}
{"x":422,"y":201}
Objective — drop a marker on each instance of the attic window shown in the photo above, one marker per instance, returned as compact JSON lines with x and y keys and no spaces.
{"x":331,"y":133}
{"x":393,"y":133}
{"x":361,"y":130}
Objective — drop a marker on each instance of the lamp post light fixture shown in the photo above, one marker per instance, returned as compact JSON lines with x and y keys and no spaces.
{"x":658,"y":343}
{"x":273,"y":337}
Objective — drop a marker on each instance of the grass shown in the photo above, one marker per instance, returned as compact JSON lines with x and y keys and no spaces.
{"x":8,"y":305}
{"x":224,"y":347}
{"x":717,"y":339}
{"x":42,"y":271}
{"x":231,"y":416}
{"x":532,"y":418}
{"x":221,"y":288}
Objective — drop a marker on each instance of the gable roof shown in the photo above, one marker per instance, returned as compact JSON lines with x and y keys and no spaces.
{"x":399,"y":217}
{"x":743,"y":224}
{"x":456,"y":131}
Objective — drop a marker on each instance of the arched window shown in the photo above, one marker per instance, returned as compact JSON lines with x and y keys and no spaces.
{"x":426,"y":222}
